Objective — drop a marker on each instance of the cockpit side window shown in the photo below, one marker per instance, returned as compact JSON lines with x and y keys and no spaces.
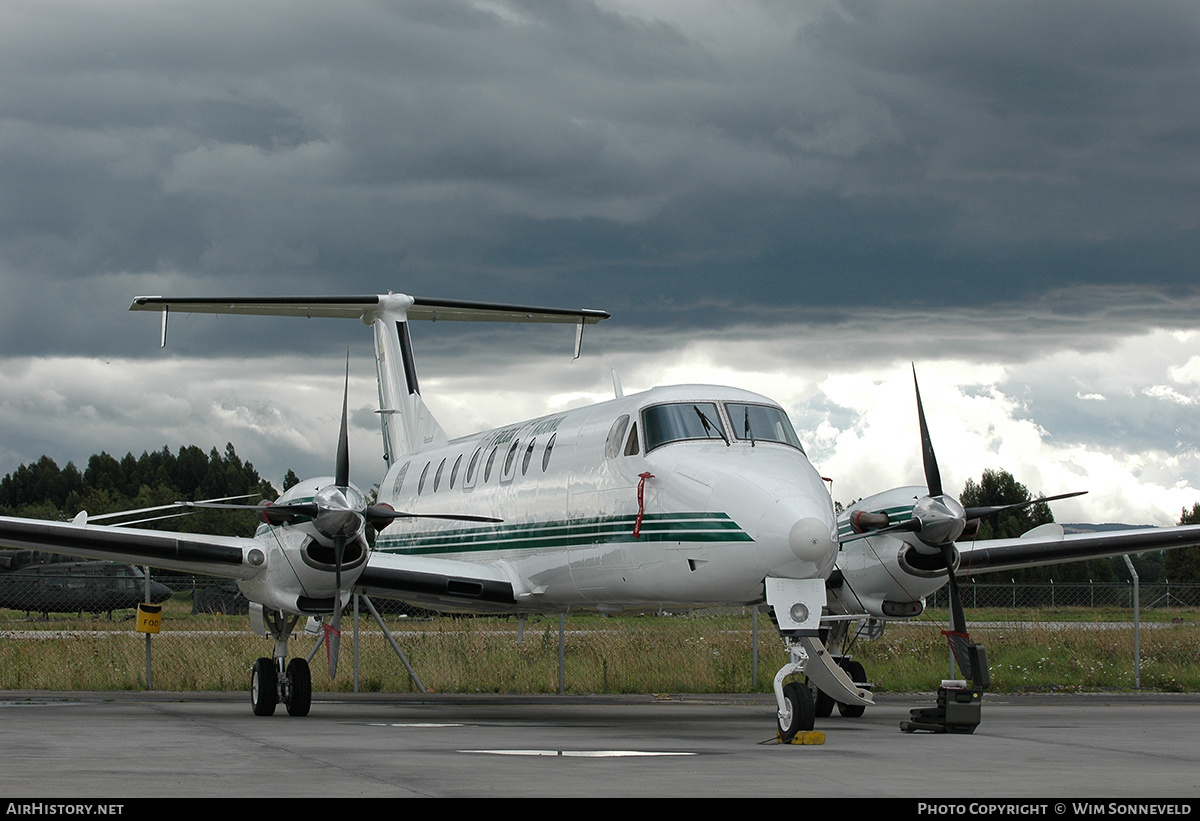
{"x":662,"y":424}
{"x":762,"y":423}
{"x":631,"y":444}
{"x":616,"y":437}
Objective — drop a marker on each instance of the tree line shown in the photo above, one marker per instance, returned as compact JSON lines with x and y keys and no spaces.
{"x":43,"y":490}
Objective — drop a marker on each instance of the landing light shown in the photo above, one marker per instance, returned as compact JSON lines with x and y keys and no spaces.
{"x":799,"y":612}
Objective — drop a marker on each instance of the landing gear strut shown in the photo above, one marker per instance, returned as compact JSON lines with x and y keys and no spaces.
{"x":276,"y":680}
{"x":796,"y":605}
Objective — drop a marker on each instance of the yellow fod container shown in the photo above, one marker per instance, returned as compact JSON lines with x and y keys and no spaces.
{"x":149,"y":618}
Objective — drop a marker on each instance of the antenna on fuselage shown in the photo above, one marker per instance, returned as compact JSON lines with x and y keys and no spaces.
{"x":617,"y":383}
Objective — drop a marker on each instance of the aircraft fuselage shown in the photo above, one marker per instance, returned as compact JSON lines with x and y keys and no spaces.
{"x":728,"y":498}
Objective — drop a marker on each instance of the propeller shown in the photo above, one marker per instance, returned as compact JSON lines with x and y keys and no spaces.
{"x":338,"y":512}
{"x":937,"y":521}
{"x":940,"y":520}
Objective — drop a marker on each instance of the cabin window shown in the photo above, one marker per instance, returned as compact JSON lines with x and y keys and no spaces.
{"x":474,"y":463}
{"x":421,"y":481}
{"x":616,"y":435}
{"x":510,"y":460}
{"x":487,"y":469}
{"x":762,"y":423}
{"x":437,"y":477}
{"x":528,"y":457}
{"x":399,"y":483}
{"x":454,"y":470}
{"x":662,"y":424}
{"x":546,"y":453}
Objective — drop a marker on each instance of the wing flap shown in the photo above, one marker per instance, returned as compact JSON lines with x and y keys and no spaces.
{"x":438,"y":584}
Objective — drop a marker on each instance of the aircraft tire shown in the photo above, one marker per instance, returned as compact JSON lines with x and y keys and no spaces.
{"x":264,"y":687}
{"x":800,"y":700}
{"x":824,"y":704}
{"x":859,"y":676}
{"x":299,"y":687}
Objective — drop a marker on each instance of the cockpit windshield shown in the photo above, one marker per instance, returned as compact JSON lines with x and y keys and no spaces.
{"x":685,"y":420}
{"x":762,"y":423}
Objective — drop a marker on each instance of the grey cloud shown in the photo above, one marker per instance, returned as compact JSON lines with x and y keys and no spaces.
{"x":879,"y":156}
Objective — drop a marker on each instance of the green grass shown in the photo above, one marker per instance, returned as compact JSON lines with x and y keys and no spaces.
{"x":628,"y":654}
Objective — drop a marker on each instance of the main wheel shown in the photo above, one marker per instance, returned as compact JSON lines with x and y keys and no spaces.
{"x":264,"y":687}
{"x":859,"y":676}
{"x":800,"y":701}
{"x":824,"y":705}
{"x":299,"y":680}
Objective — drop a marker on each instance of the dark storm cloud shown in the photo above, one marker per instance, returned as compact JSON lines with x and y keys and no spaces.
{"x":765,"y":158}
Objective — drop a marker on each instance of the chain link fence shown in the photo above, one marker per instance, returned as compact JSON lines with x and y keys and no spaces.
{"x":1119,"y":595}
{"x":74,"y":630}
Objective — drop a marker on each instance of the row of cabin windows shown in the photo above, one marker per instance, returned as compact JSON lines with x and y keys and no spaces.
{"x":507,"y":469}
{"x":671,"y":422}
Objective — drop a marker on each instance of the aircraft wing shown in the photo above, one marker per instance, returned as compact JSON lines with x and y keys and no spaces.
{"x":1048,"y":544}
{"x":438,"y":584}
{"x":222,"y":556}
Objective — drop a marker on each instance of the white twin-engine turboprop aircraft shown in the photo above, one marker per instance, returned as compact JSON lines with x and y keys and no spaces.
{"x":679,"y":496}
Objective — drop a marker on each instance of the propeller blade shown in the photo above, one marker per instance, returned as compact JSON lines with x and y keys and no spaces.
{"x":380,"y":516}
{"x":342,"y":474}
{"x":909,"y":526}
{"x":992,"y":510}
{"x":933,"y":477}
{"x":272,"y":514}
{"x":957,"y":634}
{"x":333,"y":635}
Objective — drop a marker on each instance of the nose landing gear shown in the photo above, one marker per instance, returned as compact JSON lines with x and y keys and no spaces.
{"x":276,"y":680}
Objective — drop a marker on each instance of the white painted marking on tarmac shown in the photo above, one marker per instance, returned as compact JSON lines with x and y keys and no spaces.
{"x":578,"y":753}
{"x":415,"y":724}
{"x":32,"y":703}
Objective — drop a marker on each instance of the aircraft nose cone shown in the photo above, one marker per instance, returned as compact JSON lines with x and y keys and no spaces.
{"x":811,"y":540}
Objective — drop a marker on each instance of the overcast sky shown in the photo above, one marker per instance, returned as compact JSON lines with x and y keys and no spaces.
{"x":797,"y":198}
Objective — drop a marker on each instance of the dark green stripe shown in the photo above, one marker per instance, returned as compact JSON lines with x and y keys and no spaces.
{"x":694,"y":527}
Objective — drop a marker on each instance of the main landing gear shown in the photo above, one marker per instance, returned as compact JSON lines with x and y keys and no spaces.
{"x":275,"y":680}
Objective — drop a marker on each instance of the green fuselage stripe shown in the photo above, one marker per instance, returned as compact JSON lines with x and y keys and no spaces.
{"x":691,"y":527}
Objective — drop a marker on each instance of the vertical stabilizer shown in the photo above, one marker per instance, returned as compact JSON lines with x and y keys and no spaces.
{"x":406,"y":421}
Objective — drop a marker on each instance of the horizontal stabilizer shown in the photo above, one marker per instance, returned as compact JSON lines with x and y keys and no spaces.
{"x":358,"y":307}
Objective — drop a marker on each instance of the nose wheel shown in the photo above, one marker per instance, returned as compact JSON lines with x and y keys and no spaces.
{"x":799,"y":712}
{"x":275,"y":681}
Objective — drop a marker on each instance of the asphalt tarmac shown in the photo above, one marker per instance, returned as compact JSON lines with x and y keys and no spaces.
{"x":127,"y":746}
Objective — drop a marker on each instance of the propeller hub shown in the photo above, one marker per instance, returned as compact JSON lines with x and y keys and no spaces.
{"x":340,"y":512}
{"x":942,"y":519}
